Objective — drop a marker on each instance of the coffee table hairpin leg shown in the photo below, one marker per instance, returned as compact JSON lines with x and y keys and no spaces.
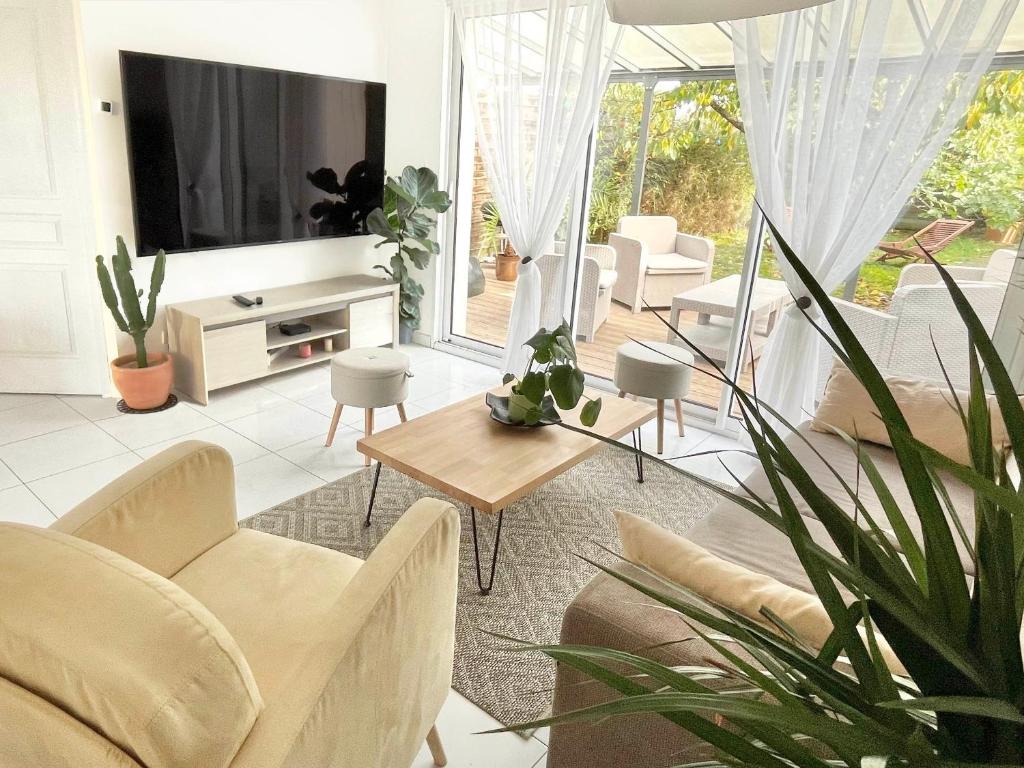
{"x":638,"y":457}
{"x":494,"y":557}
{"x":373,"y":493}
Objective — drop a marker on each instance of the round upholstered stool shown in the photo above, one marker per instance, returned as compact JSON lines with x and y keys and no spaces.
{"x":368,"y":378}
{"x":656,"y":370}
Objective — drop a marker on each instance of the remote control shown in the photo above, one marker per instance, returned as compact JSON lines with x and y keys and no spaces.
{"x":245,"y":302}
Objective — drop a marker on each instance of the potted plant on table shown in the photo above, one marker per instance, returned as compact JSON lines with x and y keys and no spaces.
{"x":412,"y":203}
{"x":144,"y":378}
{"x":553,"y":381}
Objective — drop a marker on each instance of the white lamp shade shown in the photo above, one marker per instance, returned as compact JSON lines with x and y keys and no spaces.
{"x":670,"y":12}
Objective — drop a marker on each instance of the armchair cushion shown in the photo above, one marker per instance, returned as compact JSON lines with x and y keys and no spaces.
{"x":123,"y":650}
{"x":277,"y":597}
{"x":165,"y":512}
{"x":673,"y":263}
{"x":658,"y":233}
{"x":353,"y":658}
{"x":607,"y":278}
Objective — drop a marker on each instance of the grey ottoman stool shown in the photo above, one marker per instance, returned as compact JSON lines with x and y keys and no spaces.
{"x":659,"y":371}
{"x":368,"y":378}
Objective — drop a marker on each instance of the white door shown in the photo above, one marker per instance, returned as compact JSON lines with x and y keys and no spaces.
{"x":51,"y":334}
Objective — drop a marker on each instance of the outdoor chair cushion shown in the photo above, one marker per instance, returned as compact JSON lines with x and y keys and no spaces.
{"x":673,"y":263}
{"x":607,"y":278}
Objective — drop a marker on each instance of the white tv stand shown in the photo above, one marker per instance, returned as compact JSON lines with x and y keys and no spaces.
{"x":216,"y":342}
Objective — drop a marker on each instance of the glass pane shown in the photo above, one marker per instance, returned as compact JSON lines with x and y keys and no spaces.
{"x":707,"y":44}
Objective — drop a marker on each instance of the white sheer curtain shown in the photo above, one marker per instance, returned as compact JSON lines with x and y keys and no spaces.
{"x":536,"y":75}
{"x":845,"y":106}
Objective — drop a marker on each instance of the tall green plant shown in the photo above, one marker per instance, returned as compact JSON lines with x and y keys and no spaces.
{"x":955,"y":631}
{"x":412,"y":203}
{"x":131,"y":321}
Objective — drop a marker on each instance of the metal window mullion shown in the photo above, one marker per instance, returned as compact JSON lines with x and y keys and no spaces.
{"x":751,"y":263}
{"x":640,"y":166}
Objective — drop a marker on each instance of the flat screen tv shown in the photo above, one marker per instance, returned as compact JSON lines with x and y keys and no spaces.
{"x":224,"y":155}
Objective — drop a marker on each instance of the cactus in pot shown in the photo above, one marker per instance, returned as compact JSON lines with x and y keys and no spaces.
{"x":132,"y":321}
{"x":147,"y":383}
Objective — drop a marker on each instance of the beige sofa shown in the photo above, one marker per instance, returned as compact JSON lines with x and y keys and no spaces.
{"x":654,"y":261}
{"x":145,"y":629}
{"x":608,"y":613}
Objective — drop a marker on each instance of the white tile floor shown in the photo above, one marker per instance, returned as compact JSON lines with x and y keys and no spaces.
{"x":56,"y":451}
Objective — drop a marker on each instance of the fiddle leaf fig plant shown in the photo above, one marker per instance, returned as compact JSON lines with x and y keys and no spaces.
{"x":552,"y":369}
{"x":412,"y":203}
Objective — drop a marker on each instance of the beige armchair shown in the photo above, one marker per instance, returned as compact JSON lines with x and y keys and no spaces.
{"x":655,"y":262}
{"x":145,"y":629}
{"x":597,"y":280}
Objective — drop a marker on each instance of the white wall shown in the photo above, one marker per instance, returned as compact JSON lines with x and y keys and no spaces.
{"x":399,"y":42}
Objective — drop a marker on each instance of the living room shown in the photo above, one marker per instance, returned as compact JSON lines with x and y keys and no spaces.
{"x":721,"y":305}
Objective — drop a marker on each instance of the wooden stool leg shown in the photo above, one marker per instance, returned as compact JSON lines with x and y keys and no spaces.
{"x":679,"y":417}
{"x":368,"y":429}
{"x":622,"y":393}
{"x":401,"y":412}
{"x":436,"y":748}
{"x":334,"y":425}
{"x":661,"y":427}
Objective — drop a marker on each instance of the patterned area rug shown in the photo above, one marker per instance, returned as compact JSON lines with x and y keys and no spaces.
{"x":538,"y":570}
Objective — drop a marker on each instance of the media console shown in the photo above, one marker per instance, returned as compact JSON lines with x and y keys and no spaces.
{"x":217,"y":343}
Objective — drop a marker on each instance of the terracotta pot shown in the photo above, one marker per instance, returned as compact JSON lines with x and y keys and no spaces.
{"x":505,"y":265}
{"x":143,"y":388}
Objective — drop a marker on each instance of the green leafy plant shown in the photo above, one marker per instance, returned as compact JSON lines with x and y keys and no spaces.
{"x":490,"y":229}
{"x":954,"y":630}
{"x":552,"y":368}
{"x":131,"y":321}
{"x":412,"y":203}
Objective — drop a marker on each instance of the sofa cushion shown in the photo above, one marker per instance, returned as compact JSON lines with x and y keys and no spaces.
{"x":809,"y":447}
{"x":123,"y":650}
{"x":728,"y":585}
{"x":607,"y":278}
{"x":673,"y":264}
{"x":927,"y":406}
{"x":280,"y":599}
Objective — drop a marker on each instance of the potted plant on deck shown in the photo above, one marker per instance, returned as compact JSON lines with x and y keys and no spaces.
{"x":408,"y":219}
{"x":505,"y":257}
{"x":144,"y":379}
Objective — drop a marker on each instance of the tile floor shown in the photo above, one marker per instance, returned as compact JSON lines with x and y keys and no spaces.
{"x":57,"y":450}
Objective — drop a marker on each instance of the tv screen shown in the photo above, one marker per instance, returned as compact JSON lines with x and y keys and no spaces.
{"x":224,"y":155}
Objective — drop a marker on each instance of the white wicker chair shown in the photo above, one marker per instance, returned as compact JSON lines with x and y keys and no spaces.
{"x":655,"y":262}
{"x":597,"y":279}
{"x":900,"y":341}
{"x":998,"y":269}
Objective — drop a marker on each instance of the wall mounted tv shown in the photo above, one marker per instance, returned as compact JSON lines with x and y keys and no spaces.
{"x":223,"y":155}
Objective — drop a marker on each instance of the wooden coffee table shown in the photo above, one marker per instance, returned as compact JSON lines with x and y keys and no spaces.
{"x":460,"y":451}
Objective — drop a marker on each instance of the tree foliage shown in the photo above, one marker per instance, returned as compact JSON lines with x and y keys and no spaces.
{"x":979,"y":173}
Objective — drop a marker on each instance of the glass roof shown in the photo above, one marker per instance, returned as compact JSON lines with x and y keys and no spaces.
{"x":702,"y":46}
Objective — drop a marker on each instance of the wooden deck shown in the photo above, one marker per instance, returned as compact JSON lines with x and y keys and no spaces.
{"x":487,"y":320}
